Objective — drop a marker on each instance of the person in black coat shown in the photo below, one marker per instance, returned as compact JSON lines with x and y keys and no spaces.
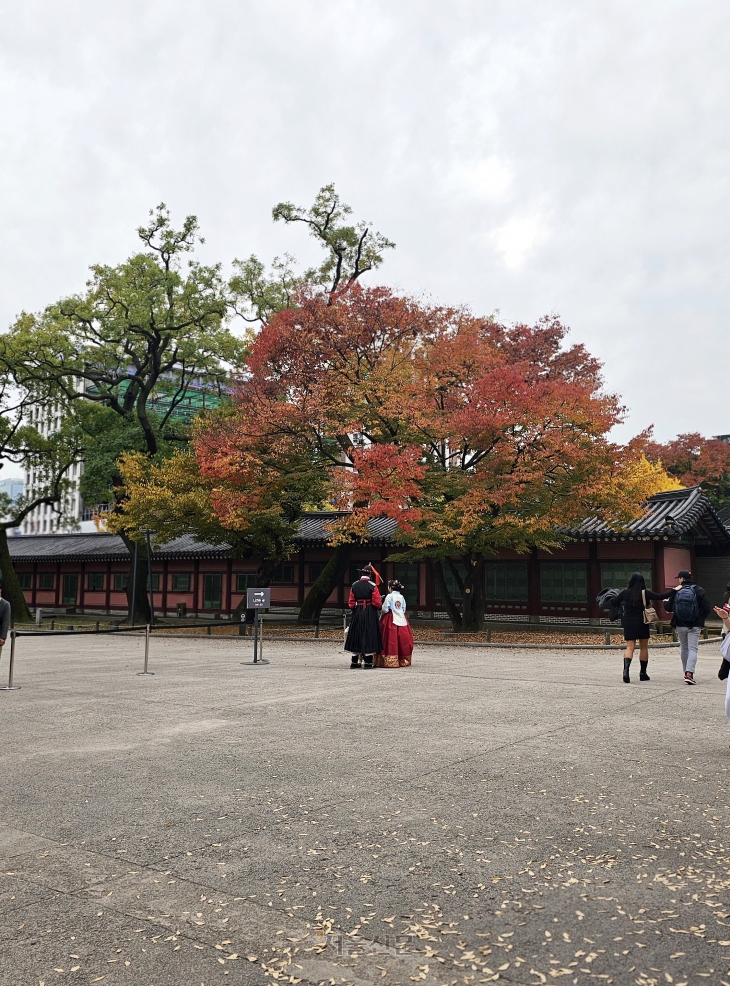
{"x":634,"y":598}
{"x":363,"y":637}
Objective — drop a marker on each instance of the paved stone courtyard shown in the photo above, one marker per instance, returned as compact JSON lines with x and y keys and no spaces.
{"x":522,"y":816}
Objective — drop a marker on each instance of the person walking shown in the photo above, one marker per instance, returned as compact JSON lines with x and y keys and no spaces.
{"x":5,"y":615}
{"x":724,"y":673}
{"x":363,"y":636}
{"x":689,"y":605}
{"x":395,"y":630}
{"x":634,"y":598}
{"x":726,"y":608}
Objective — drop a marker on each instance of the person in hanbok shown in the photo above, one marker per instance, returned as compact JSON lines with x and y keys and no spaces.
{"x":363,"y":636}
{"x":395,"y":630}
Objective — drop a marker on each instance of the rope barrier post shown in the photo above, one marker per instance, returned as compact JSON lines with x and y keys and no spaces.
{"x":140,"y":674}
{"x":256,"y":637}
{"x":316,"y":630}
{"x":607,"y":637}
{"x":10,"y":687}
{"x":133,"y":605}
{"x":261,"y":638}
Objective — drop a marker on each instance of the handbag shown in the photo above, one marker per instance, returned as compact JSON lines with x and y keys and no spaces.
{"x":650,"y":614}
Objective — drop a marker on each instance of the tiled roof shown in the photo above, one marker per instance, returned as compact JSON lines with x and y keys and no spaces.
{"x":67,"y":547}
{"x":102,"y":547}
{"x":667,"y":515}
{"x":313,"y":528}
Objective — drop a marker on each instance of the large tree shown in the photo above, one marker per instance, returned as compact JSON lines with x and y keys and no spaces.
{"x":473,"y":435}
{"x":129,"y":350}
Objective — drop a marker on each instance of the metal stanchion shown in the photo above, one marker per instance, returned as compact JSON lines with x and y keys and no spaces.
{"x":146,"y":653}
{"x":607,"y":637}
{"x":258,"y":599}
{"x":316,"y":630}
{"x":258,"y":640}
{"x":10,"y":687}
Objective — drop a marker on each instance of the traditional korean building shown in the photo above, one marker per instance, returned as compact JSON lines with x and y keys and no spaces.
{"x":679,"y":529}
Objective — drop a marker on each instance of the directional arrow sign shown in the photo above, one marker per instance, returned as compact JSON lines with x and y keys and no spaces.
{"x":258,"y":598}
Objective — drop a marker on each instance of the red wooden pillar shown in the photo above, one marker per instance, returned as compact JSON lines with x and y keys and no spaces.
{"x":196,"y":585}
{"x":82,"y":590}
{"x":35,"y":583}
{"x":300,"y":590}
{"x":594,"y":581}
{"x":533,"y":587}
{"x":108,"y":594}
{"x":56,"y":602}
{"x":229,"y":586}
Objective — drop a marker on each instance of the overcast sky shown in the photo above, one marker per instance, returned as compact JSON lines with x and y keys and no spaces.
{"x":527,"y":157}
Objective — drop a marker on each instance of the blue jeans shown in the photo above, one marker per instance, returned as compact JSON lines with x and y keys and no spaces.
{"x":688,"y":637}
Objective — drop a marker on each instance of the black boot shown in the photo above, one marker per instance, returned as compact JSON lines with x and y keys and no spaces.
{"x":627,"y":665}
{"x":368,"y":662}
{"x":643,"y":676}
{"x":355,"y":662}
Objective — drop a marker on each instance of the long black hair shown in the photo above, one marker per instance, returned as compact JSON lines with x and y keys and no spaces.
{"x":636,"y":586}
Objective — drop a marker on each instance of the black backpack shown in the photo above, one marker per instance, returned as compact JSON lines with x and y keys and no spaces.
{"x":686,"y":608}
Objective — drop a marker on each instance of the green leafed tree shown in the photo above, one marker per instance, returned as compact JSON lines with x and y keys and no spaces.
{"x":47,"y":456}
{"x":351,"y":249}
{"x":130,"y":350}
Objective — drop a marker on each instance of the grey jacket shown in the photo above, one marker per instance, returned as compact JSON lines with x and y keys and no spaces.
{"x":4,"y":618}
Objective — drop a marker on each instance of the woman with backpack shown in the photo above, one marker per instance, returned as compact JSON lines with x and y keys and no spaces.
{"x":634,"y":599}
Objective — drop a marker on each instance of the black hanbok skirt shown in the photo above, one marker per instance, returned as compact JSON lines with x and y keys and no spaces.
{"x":363,"y":635}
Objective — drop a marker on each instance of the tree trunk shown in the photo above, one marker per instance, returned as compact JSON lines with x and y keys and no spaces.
{"x":140,"y":606}
{"x":11,"y":586}
{"x":443,"y":592}
{"x":331,"y":577}
{"x":473,"y":603}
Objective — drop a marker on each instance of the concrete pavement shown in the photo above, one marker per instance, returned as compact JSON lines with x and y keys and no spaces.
{"x":519,"y":815}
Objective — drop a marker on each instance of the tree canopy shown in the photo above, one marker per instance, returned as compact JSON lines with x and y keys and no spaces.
{"x":697,"y":461}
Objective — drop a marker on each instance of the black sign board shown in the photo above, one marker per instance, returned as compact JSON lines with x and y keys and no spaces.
{"x":258,"y":598}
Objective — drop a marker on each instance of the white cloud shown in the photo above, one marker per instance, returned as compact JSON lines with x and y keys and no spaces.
{"x":515,"y":239}
{"x":489,"y":180}
{"x":473,"y":134}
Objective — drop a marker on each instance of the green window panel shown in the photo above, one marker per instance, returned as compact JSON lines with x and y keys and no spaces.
{"x":155,"y":582}
{"x":24,"y":579}
{"x":95,"y":582}
{"x":284,"y":575}
{"x":70,"y":590}
{"x":315,"y":570}
{"x":616,"y":574}
{"x":245,"y":580}
{"x":121,"y":580}
{"x":506,"y":581}
{"x":181,"y":582}
{"x":212,"y":590}
{"x":46,"y":581}
{"x":563,"y":582}
{"x":408,"y":575}
{"x":451,"y":583}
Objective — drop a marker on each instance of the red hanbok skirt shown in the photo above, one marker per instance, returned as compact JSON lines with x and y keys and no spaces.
{"x":397,"y":644}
